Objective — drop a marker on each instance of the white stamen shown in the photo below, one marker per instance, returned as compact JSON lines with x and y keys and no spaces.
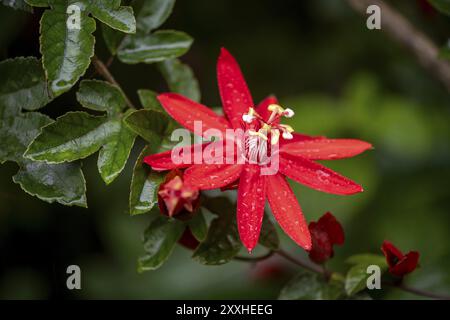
{"x":288,"y":113}
{"x":287,"y":135}
{"x":248,"y":118}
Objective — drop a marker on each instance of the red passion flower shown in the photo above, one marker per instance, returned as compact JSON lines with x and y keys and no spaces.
{"x":399,"y":264}
{"x":296,"y":154}
{"x":325,"y":233}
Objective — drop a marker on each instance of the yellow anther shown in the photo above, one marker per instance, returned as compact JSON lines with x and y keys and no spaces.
{"x":275,"y":136}
{"x":287,"y":127}
{"x":275,"y":108}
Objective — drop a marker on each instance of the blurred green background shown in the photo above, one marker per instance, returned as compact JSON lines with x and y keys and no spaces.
{"x":341,"y":79}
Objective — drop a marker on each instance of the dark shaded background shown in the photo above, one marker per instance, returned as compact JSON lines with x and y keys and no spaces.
{"x":342,"y":80}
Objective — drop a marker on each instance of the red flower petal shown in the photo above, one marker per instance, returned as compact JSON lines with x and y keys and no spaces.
{"x":186,"y":111}
{"x":322,"y":248}
{"x":392,"y":254}
{"x":163,"y":161}
{"x":326,"y":149}
{"x":262,"y":108}
{"x":212,"y":176}
{"x":317,"y":176}
{"x":250,"y":205}
{"x":297,"y":137}
{"x":236,"y":98}
{"x":406,"y":265}
{"x":287,"y":211}
{"x":332,"y":227}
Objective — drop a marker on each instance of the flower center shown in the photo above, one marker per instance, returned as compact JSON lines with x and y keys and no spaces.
{"x":259,"y":132}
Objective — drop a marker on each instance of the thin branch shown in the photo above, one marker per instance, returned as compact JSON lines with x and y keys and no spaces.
{"x":309,"y":266}
{"x":102,"y":70}
{"x":327,"y":273}
{"x":400,"y":29}
{"x":418,"y":292}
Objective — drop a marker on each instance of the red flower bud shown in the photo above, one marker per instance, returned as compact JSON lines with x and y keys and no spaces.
{"x":175,"y":198}
{"x":399,"y":264}
{"x":324,"y":234}
{"x":188,"y":240}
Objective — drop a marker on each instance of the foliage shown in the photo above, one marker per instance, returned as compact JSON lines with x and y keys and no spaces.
{"x":50,"y":152}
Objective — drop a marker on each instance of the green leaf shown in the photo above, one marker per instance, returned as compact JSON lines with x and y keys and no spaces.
{"x":222,"y":242}
{"x":37,"y":3}
{"x":197,"y":225}
{"x":66,"y":52}
{"x":63,"y":183}
{"x":23,"y":84}
{"x":367,"y":259}
{"x":150,"y":125}
{"x":159,"y":240}
{"x":144,"y":185}
{"x":357,"y":275}
{"x":17,"y":4}
{"x":311,"y":286}
{"x":269,"y":236}
{"x":148,"y":99}
{"x":445,"y":51}
{"x":114,"y":154}
{"x":111,"y":13}
{"x":101,"y":96}
{"x":441,"y":5}
{"x":180,"y":78}
{"x":155,"y":47}
{"x":153,"y":13}
{"x":112,"y":38}
{"x":17,"y":131}
{"x":72,"y":136}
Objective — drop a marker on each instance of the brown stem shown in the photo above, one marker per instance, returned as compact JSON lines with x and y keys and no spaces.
{"x":400,"y":29}
{"x":327,"y":273}
{"x":418,"y":292}
{"x":300,"y":262}
{"x":104,"y":72}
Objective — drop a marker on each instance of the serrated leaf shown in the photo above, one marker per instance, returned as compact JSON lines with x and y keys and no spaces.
{"x":159,"y":240}
{"x":222,"y":242}
{"x":18,"y":5}
{"x":153,"y":13}
{"x":441,"y":5}
{"x":23,"y":84}
{"x":114,"y":154}
{"x":148,"y":99}
{"x":17,"y":131}
{"x":180,"y":78}
{"x":144,"y":185}
{"x":311,"y":286}
{"x":155,"y":47}
{"x":66,"y":51}
{"x":72,"y":136}
{"x":269,"y":236}
{"x":63,"y":183}
{"x":114,"y":15}
{"x":149,"y":124}
{"x":197,"y":225}
{"x":101,"y":96}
